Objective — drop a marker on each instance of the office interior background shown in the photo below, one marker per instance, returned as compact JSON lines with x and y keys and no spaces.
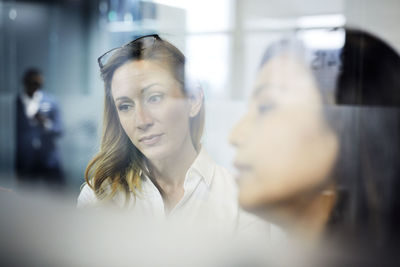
{"x":223,"y":41}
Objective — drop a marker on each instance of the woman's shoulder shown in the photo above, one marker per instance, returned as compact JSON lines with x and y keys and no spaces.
{"x":224,"y":182}
{"x":87,"y":197}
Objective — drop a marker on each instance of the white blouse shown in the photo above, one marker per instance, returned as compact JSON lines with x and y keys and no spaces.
{"x":210,"y":196}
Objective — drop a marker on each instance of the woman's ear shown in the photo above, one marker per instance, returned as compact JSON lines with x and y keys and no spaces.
{"x":196,"y":101}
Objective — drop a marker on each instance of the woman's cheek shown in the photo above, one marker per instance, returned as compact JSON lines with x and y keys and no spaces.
{"x":175,"y":116}
{"x":128,"y":127}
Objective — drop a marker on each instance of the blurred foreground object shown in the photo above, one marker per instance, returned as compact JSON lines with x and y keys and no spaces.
{"x":323,"y":170}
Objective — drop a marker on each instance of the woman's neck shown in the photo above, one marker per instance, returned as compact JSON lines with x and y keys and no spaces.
{"x":172,"y":170}
{"x":305,"y":217}
{"x":169,"y":173}
{"x":312,"y":220}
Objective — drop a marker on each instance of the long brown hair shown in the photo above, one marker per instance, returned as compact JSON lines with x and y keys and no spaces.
{"x":119,"y":165}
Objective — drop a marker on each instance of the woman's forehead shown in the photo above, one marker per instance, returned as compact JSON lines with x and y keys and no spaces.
{"x":289,"y":77}
{"x":139,"y":73}
{"x":136,"y":77}
{"x":135,"y":67}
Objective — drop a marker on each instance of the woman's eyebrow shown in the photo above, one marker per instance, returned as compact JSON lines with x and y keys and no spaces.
{"x":265,"y":87}
{"x":144,"y":89}
{"x":123,"y":98}
{"x":259,"y":89}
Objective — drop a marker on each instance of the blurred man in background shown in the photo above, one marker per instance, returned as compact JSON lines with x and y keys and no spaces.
{"x":38,"y":127}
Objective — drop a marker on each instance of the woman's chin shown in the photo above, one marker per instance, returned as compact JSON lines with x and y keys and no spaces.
{"x":248,"y":201}
{"x":155,"y":153}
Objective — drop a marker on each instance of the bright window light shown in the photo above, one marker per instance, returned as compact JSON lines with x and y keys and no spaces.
{"x":205,"y":15}
{"x":331,"y":20}
{"x":323,"y":39}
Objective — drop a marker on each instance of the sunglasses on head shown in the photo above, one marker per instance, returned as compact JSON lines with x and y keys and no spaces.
{"x":142,"y":42}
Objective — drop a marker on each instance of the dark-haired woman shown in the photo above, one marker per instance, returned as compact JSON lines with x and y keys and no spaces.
{"x":322,"y":169}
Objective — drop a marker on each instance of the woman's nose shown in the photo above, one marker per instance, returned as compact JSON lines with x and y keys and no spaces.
{"x":144,"y":120}
{"x":238,"y":133}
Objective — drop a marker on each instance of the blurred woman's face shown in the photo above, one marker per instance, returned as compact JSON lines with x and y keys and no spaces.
{"x":283,"y":148}
{"x":151,"y":108}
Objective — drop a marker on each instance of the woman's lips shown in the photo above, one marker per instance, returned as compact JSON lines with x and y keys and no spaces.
{"x":242,"y":168}
{"x":150,"y":139}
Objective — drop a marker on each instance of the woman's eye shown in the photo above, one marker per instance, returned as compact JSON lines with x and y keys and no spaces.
{"x":155,"y":99}
{"x":263,"y":108}
{"x":124,"y":107}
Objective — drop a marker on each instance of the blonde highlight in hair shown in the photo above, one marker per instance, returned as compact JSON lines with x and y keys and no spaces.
{"x":119,"y":165}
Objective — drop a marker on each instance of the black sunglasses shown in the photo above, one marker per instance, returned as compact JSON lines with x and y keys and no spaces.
{"x":143,"y":42}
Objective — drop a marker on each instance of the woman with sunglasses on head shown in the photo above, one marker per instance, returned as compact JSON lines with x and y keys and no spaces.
{"x":151,"y":160}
